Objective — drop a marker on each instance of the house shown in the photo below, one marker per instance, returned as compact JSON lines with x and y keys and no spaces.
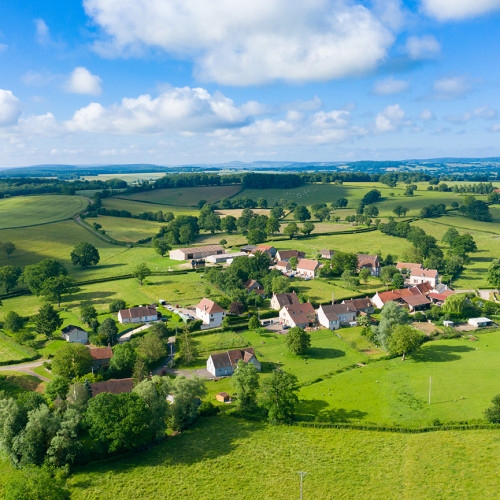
{"x":301,"y":315}
{"x":73,"y":333}
{"x":279,"y":300}
{"x":361,"y":305}
{"x":408,"y":265}
{"x":308,"y":267}
{"x":370,"y":262}
{"x":224,"y":363}
{"x":141,"y":314}
{"x":430,"y":276}
{"x":195,"y":252}
{"x":248,"y":248}
{"x":254,"y":286}
{"x":286,"y":255}
{"x":270,"y":250}
{"x":417,"y":302}
{"x":112,"y":386}
{"x":101,"y":356}
{"x":411,"y":297}
{"x":327,"y":254}
{"x":284,"y":267}
{"x":210,"y":313}
{"x":332,"y":316}
{"x":480,"y":322}
{"x":223,"y":397}
{"x":224,"y":257}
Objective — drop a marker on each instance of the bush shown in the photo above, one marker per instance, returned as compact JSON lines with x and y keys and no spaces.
{"x":208,"y":409}
{"x":492,"y":413}
{"x":116,"y":305}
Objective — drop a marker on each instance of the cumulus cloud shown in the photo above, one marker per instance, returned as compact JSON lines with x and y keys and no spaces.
{"x":42,"y":32}
{"x":177,"y":109}
{"x":10,"y":108}
{"x":422,"y":47}
{"x":390,"y":119}
{"x":449,"y":88}
{"x":241,"y":42}
{"x":390,"y":86}
{"x":82,"y":81}
{"x":445,"y":10}
{"x":485,"y":112}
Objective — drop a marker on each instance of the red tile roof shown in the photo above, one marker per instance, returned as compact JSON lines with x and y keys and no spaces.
{"x":138,"y":312}
{"x":408,"y":265}
{"x":101,"y":352}
{"x":231,"y":358}
{"x":308,"y":264}
{"x":416,"y":300}
{"x":112,"y":386}
{"x":368,"y":260}
{"x":209,"y":306}
{"x":424,"y":273}
{"x":285,"y":299}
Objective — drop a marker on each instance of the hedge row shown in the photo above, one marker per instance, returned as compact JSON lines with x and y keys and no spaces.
{"x":20,"y":361}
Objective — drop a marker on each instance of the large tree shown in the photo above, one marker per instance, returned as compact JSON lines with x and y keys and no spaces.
{"x":301,"y":213}
{"x":161,"y":246}
{"x":36,"y":275}
{"x":342,"y":261}
{"x":392,"y":315}
{"x":55,"y":287}
{"x":187,"y":394}
{"x":403,"y":340}
{"x":72,"y":360}
{"x":107,"y":332}
{"x":245,"y":381}
{"x":256,"y":236}
{"x":492,"y":413}
{"x":291,"y":230}
{"x":48,"y":320}
{"x":297,"y":341}
{"x":123,"y":360}
{"x":141,"y":272}
{"x":85,"y":255}
{"x":88,"y":313}
{"x":279,"y":396}
{"x":9,"y":276}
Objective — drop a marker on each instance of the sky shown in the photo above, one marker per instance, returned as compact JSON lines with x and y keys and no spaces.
{"x":209,"y":81}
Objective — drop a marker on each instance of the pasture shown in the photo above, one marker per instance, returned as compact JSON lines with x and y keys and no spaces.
{"x":10,"y":350}
{"x":255,"y":460}
{"x":125,"y":229}
{"x":23,"y":211}
{"x":15,"y":383}
{"x":138,"y":207}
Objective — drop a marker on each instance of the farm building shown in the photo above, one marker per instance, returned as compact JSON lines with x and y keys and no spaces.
{"x":101,"y":356}
{"x":327,"y":254}
{"x":248,"y":248}
{"x":224,"y":363}
{"x":141,"y":314}
{"x":73,"y":333}
{"x":430,"y":276}
{"x":286,"y":255}
{"x":270,"y":250}
{"x":225,"y":257}
{"x":223,"y":397}
{"x":195,"y":252}
{"x":408,"y":265}
{"x":301,"y":315}
{"x":210,"y":313}
{"x":283,"y":299}
{"x":411,"y":297}
{"x":370,"y":262}
{"x":480,"y":322}
{"x":282,"y":266}
{"x":332,"y":316}
{"x":112,"y":386}
{"x":308,"y":267}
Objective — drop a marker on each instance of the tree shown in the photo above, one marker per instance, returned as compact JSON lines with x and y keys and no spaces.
{"x":475,"y":209}
{"x":364,"y":275}
{"x":9,"y":276}
{"x":13,"y":321}
{"x":371,"y":211}
{"x":65,"y":445}
{"x":186,"y":234}
{"x":161,"y":246}
{"x":117,"y":305}
{"x":57,"y":387}
{"x":36,"y":483}
{"x":245,"y":381}
{"x":34,"y":276}
{"x":291,"y":230}
{"x":398,"y":281}
{"x":272,"y":225}
{"x":254,"y":323}
{"x":88,"y":313}
{"x":55,"y":287}
{"x":341,"y":203}
{"x":342,"y":261}
{"x":85,"y":255}
{"x":293,"y":262}
{"x":349,"y":279}
{"x":47,"y":321}
{"x":107,"y":332}
{"x":307,"y":228}
{"x":301,"y":213}
{"x":493,"y":275}
{"x":372,"y":196}
{"x":141,"y":272}
{"x":277,"y":212}
{"x":123,"y":360}
{"x":297,"y":341}
{"x":279,"y":396}
{"x":236,"y":308}
{"x":387,"y":273}
{"x":9,"y":248}
{"x":228,"y":224}
{"x":256,"y":236}
{"x":403,"y":340}
{"x":72,"y":360}
{"x":187,"y":350}
{"x":463,"y":245}
{"x":450,"y":236}
{"x":455,"y":304}
{"x":152,"y":348}
{"x":187,"y":394}
{"x":392,"y":315}
{"x":492,"y":413}
{"x":322,"y":213}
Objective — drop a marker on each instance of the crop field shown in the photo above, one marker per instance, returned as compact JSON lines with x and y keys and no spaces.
{"x":254,"y":460}
{"x":22,"y":211}
{"x":185,"y":197}
{"x":464,"y":380}
{"x":129,"y":178}
{"x":125,"y":229}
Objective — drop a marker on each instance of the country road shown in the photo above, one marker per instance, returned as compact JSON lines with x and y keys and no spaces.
{"x":26,"y":368}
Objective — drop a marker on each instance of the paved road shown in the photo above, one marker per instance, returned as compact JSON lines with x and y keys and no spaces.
{"x":26,"y":368}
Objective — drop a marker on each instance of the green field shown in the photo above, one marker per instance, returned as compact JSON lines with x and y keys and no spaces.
{"x":185,"y":197}
{"x":22,"y":211}
{"x":10,"y":350}
{"x":138,"y":207}
{"x":253,"y":460}
{"x":16,"y":383}
{"x":125,"y":229}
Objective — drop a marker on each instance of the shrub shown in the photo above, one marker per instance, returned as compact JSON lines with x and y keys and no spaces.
{"x":116,"y":305}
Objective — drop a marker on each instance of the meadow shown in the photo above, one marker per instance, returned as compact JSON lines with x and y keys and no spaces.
{"x":126,"y":229}
{"x":138,"y":207}
{"x":243,"y":460}
{"x":23,"y":211}
{"x":10,"y":350}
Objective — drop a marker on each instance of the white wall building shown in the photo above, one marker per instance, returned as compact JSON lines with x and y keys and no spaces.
{"x":141,"y":314}
{"x":210,"y":313}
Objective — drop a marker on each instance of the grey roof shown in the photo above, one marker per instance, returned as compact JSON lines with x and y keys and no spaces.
{"x":72,"y":329}
{"x":333,"y":310}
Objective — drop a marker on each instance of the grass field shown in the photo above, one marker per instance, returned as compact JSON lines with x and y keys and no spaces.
{"x":396,"y":391}
{"x":137,"y":207}
{"x":10,"y":350}
{"x":125,"y":229}
{"x":185,"y":197}
{"x":15,"y":383}
{"x":21,"y":211}
{"x":129,"y":178}
{"x":253,"y":460}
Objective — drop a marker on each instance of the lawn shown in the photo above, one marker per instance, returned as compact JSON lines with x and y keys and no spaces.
{"x":22,"y":211}
{"x":254,"y":460}
{"x":10,"y":350}
{"x":464,"y":380}
{"x":14,"y":383}
{"x":185,"y":197}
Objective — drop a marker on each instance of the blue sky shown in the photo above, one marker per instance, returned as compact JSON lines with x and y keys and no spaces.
{"x":198,"y":81}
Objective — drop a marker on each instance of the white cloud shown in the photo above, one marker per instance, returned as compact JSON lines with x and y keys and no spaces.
{"x":390,"y":86}
{"x":10,"y":108}
{"x":241,"y":42}
{"x":445,"y":10}
{"x":390,"y":119}
{"x":37,"y":78}
{"x":42,"y":33}
{"x":427,"y":114}
{"x":422,"y":47}
{"x":496,"y":127}
{"x":449,"y":88}
{"x":3,"y":47}
{"x":485,"y":112}
{"x":82,"y":81}
{"x":177,"y":109}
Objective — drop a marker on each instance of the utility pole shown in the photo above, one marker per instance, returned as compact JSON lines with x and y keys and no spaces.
{"x":430,"y":380}
{"x":302,"y":474}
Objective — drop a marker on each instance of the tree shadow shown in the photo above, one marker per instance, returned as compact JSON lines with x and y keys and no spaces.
{"x":268,"y":366}
{"x":324,"y":353}
{"x":316,"y":409}
{"x":440,"y":353}
{"x":89,"y":297}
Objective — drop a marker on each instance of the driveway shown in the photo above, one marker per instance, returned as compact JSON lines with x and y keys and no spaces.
{"x":201,"y":372}
{"x":26,"y":368}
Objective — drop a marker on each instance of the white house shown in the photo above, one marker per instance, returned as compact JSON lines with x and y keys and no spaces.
{"x":141,"y":314}
{"x":301,"y":315}
{"x":224,"y":257}
{"x":224,"y":363}
{"x":418,"y":276}
{"x":332,"y":316}
{"x":308,"y":267}
{"x":479,"y":322}
{"x":210,"y":313}
{"x":73,"y":333}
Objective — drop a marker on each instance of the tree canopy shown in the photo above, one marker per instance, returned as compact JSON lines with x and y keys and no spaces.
{"x":85,"y":255}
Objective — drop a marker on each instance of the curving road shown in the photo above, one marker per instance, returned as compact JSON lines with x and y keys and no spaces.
{"x":26,"y":368}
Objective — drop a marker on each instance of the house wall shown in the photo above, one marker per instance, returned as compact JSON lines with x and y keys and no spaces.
{"x":324,"y":321}
{"x":77,"y":337}
{"x":214,"y":319}
{"x":306,"y":272}
{"x":177,"y":255}
{"x":416,"y":280}
{"x":275,"y":304}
